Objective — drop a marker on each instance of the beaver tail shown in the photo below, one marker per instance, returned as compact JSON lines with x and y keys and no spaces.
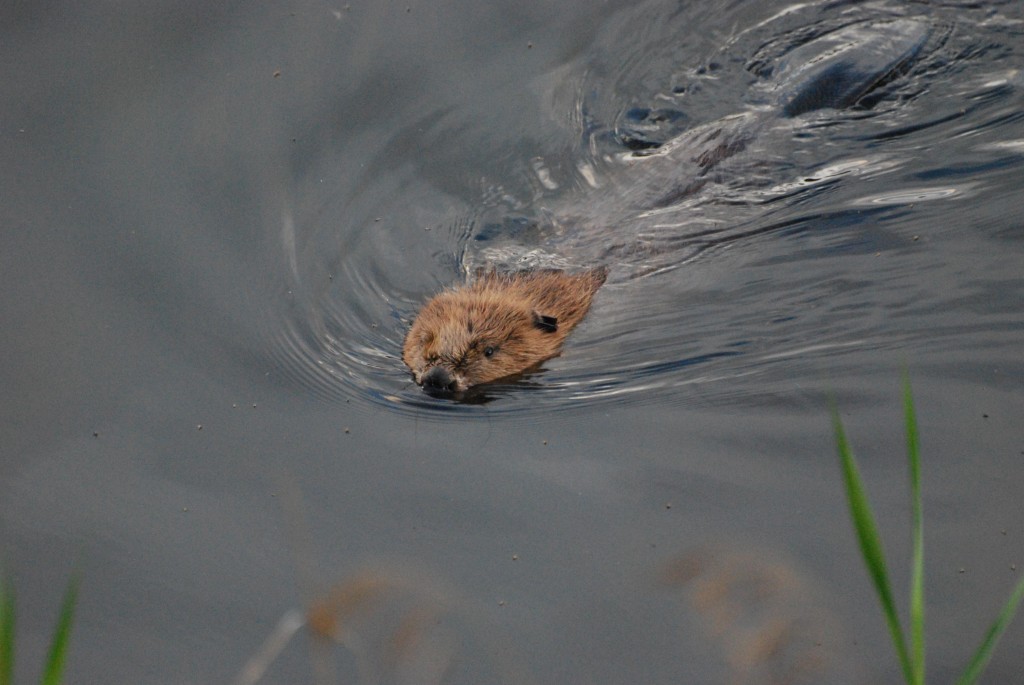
{"x":838,"y":69}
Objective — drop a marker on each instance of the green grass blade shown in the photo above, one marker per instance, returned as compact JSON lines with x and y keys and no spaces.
{"x":984,"y":653}
{"x":870,"y":543}
{"x":54,"y":670}
{"x":6,"y":632}
{"x":917,"y":532}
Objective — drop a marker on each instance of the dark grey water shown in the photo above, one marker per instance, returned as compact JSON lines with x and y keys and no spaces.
{"x":219,"y":220}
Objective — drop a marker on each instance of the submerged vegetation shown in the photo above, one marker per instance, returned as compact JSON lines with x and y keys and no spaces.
{"x":53,"y":668}
{"x":912,"y":657}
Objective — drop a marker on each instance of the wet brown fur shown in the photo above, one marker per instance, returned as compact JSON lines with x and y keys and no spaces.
{"x":498,"y":326}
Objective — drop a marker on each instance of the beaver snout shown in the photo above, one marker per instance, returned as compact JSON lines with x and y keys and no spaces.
{"x":438,"y":381}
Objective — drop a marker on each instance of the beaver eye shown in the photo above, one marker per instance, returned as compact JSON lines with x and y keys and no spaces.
{"x":489,"y":351}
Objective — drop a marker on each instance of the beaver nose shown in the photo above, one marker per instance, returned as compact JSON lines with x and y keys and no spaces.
{"x":438,"y":380}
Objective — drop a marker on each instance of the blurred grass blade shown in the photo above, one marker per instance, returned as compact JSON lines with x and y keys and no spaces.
{"x":6,"y":632}
{"x":917,"y":531}
{"x":54,"y":669}
{"x":258,"y":664}
{"x":984,"y":653}
{"x":870,"y":543}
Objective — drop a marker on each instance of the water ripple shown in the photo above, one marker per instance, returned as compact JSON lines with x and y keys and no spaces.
{"x":799,"y":253}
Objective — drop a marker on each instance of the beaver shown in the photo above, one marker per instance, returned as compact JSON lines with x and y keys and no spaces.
{"x":504,"y":324}
{"x":498,"y":326}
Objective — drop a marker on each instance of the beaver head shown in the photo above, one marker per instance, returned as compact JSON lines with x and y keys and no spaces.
{"x":498,"y":326}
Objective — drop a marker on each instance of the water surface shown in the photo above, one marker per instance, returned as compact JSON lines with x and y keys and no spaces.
{"x":220,"y":221}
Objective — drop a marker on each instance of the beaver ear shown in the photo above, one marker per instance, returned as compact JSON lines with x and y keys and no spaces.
{"x":548,"y":324}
